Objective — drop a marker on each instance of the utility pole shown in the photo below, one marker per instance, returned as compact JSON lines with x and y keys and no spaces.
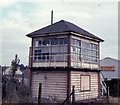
{"x":51,"y":17}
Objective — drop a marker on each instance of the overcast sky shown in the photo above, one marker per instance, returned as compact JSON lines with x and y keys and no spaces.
{"x":19,"y":18}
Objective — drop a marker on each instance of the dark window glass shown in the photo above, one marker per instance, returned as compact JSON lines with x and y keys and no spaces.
{"x":37,"y":54}
{"x":79,"y":43}
{"x":54,"y":41}
{"x":65,"y":40}
{"x":40,"y":42}
{"x":46,"y":42}
{"x":62,"y":40}
{"x":35,"y":58}
{"x":45,"y":56}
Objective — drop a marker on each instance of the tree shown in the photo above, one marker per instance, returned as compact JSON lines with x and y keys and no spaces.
{"x":13,"y":91}
{"x":15,"y":64}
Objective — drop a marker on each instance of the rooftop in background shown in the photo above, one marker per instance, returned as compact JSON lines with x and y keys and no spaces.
{"x":62,"y":26}
{"x":109,"y":58}
{"x":110,"y":67}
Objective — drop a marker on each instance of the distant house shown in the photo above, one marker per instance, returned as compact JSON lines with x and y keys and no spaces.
{"x":7,"y":72}
{"x":19,"y":74}
{"x":63,"y":55}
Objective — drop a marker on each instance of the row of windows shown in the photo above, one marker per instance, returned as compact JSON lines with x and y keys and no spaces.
{"x":50,"y":57}
{"x":84,"y":44}
{"x":84,"y":51}
{"x":87,"y":53}
{"x":62,"y":41}
{"x":63,"y":57}
{"x":51,"y":49}
{"x":52,"y":41}
{"x":84,"y":58}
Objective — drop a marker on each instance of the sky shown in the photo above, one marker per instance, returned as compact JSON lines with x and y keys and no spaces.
{"x":19,"y":17}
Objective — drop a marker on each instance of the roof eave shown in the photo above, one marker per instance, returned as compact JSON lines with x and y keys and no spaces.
{"x":48,"y":34}
{"x":29,"y":35}
{"x":84,"y":36}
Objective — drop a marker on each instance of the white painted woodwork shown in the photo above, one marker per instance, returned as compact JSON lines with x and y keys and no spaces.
{"x":54,"y":84}
{"x":75,"y":80}
{"x":50,"y":64}
{"x":84,"y":65}
{"x":85,"y":82}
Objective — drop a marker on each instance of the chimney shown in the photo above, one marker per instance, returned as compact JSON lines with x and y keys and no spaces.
{"x":51,"y":17}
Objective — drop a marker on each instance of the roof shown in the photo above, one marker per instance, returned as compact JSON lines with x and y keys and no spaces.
{"x":109,"y":58}
{"x":62,"y":26}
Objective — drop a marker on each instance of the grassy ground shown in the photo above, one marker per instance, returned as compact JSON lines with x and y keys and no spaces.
{"x":100,"y":101}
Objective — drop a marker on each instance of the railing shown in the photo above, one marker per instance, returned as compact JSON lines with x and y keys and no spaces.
{"x":71,"y":94}
{"x":103,"y":84}
{"x":61,"y":60}
{"x":56,"y":60}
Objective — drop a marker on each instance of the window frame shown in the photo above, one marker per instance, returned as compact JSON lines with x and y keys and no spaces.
{"x":89,"y":89}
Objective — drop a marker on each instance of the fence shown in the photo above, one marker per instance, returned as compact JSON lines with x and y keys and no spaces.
{"x":66,"y":100}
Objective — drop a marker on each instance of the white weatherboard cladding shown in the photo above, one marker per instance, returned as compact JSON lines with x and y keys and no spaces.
{"x":75,"y":80}
{"x":54,"y":84}
{"x":50,"y":64}
{"x":83,"y":65}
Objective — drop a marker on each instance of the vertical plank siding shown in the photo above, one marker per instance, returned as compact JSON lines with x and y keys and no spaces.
{"x":75,"y":80}
{"x":54,"y":84}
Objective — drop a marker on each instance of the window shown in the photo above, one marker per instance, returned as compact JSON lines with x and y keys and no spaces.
{"x":45,"y":56}
{"x":36,"y":43}
{"x":88,"y":52}
{"x":54,"y":41}
{"x":76,"y":42}
{"x":62,"y":41}
{"x":85,"y":82}
{"x":45,"y":42}
{"x":94,"y":46}
{"x":37,"y":54}
{"x":85,"y":44}
{"x":40,"y":42}
{"x":75,"y":50}
{"x":51,"y":41}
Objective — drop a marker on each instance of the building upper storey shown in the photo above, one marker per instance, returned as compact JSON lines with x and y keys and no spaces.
{"x":64,"y":44}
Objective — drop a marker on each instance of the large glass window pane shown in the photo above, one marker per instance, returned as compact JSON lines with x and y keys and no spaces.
{"x":45,"y":42}
{"x":40,"y":42}
{"x":61,"y":41}
{"x":73,"y":41}
{"x":65,"y":40}
{"x":36,"y":43}
{"x":54,"y":41}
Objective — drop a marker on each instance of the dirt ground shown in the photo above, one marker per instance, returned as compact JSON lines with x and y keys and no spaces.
{"x":103,"y":101}
{"x":114,"y":100}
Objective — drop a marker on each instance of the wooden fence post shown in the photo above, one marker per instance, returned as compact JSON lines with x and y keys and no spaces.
{"x":39,"y":92}
{"x":73,"y":94}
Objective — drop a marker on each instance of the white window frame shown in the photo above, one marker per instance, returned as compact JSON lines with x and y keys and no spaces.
{"x":85,"y":82}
